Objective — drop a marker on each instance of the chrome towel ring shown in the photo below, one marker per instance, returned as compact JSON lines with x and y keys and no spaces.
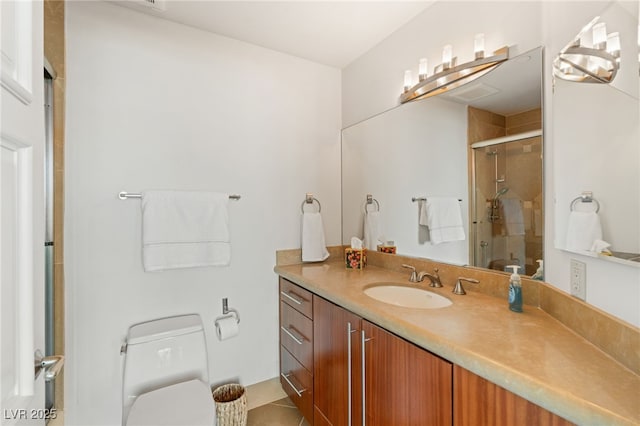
{"x":309,"y":199}
{"x":371,"y":201}
{"x":585,"y":197}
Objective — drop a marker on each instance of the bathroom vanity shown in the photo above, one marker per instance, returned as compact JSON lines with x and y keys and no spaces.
{"x":346,"y":357}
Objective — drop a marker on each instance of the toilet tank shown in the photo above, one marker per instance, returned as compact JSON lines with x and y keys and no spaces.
{"x":161,"y":353}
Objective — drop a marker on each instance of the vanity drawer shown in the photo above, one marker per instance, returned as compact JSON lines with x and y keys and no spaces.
{"x":296,"y":334}
{"x":296,"y":297}
{"x":297,"y":382}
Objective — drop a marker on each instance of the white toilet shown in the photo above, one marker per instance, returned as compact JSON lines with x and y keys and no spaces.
{"x":166,"y":376}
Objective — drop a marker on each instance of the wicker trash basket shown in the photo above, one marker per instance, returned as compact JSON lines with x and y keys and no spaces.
{"x":231,"y":405}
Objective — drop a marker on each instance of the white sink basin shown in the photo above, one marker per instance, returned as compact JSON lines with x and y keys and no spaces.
{"x":407,"y":297}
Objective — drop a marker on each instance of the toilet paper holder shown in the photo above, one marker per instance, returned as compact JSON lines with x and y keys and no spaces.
{"x":228,"y":312}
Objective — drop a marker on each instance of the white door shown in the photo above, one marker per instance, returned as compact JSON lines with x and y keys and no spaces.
{"x":21,"y":212}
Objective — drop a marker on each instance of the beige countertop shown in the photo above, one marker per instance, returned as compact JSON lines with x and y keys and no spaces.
{"x":530,"y":353}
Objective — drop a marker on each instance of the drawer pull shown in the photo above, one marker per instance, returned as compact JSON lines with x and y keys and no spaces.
{"x":295,"y":389}
{"x":299,"y":340}
{"x":293,"y":299}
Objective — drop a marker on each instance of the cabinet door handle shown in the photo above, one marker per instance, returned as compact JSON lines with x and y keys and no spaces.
{"x":295,"y":389}
{"x":299,"y":340}
{"x":364,"y":377}
{"x":293,"y":299}
{"x":349,"y":331}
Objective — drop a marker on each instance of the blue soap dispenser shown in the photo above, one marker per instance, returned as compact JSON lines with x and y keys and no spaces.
{"x":515,"y":290}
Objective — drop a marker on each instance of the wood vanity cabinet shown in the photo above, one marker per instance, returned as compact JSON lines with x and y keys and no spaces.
{"x":403,"y":384}
{"x":479,"y":402}
{"x":296,"y":346}
{"x":326,"y":352}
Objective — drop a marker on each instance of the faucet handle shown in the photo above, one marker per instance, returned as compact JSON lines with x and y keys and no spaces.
{"x":436,"y":282}
{"x":414,"y":275}
{"x":458,"y":289}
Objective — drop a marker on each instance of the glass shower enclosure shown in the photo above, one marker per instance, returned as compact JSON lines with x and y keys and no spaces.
{"x":507,"y":202}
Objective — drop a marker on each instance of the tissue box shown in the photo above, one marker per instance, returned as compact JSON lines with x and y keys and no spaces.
{"x":355,"y":258}
{"x":387,"y":249}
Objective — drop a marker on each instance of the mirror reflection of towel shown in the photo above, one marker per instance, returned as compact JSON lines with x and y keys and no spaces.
{"x":444,"y":219}
{"x":512,"y":214}
{"x":583,"y":229}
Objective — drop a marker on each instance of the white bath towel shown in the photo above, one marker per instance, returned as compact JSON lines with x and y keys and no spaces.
{"x":444,"y":219}
{"x":371,"y":230}
{"x":512,"y":215}
{"x":583,"y":229}
{"x":184,"y":229}
{"x":314,"y":248}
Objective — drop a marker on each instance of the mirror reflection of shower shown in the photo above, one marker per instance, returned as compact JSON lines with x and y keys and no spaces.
{"x":507,"y":200}
{"x":494,"y":210}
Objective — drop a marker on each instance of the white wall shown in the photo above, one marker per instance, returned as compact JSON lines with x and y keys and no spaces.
{"x":373,"y":83}
{"x":157,"y":105}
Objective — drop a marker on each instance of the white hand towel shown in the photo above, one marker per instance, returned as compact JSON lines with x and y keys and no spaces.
{"x":583,"y":229}
{"x":422,"y":213}
{"x":313,"y":246}
{"x":184,"y":229}
{"x":371,"y":230}
{"x":444,"y":219}
{"x":512,"y":214}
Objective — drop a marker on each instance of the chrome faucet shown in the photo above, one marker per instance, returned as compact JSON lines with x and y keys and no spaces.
{"x":414,"y":276}
{"x":458,"y":289}
{"x":434,"y":278}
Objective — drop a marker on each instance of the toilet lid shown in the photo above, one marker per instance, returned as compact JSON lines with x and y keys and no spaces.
{"x":187,"y":403}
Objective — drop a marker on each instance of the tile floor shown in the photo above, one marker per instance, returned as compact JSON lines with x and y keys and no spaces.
{"x":277,"y":413}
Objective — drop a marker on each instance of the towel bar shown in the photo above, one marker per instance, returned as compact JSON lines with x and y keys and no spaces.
{"x":585,"y":197}
{"x":123,"y":195}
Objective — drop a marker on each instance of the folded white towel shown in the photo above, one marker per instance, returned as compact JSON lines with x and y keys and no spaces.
{"x":184,"y":229}
{"x":512,"y":214}
{"x":583,"y":229}
{"x":444,"y":219}
{"x":313,"y":246}
{"x":371,"y":230}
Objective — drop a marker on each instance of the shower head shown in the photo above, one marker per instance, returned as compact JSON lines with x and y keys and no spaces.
{"x":501,"y":192}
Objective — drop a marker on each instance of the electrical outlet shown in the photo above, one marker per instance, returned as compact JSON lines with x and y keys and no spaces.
{"x":578,"y":279}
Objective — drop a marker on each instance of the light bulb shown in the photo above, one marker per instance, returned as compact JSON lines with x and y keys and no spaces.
{"x":447,"y":54}
{"x":422,"y":69}
{"x":408,"y":80}
{"x":478,"y":46}
{"x":613,"y":44}
{"x":600,"y":35}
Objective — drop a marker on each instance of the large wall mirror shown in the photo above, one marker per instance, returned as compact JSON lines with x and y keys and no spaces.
{"x":597,"y":149}
{"x":485,"y":135}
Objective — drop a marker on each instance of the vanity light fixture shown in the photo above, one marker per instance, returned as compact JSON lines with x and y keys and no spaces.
{"x":595,"y":62}
{"x":478,"y":46}
{"x":423,"y":69}
{"x":448,"y":75}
